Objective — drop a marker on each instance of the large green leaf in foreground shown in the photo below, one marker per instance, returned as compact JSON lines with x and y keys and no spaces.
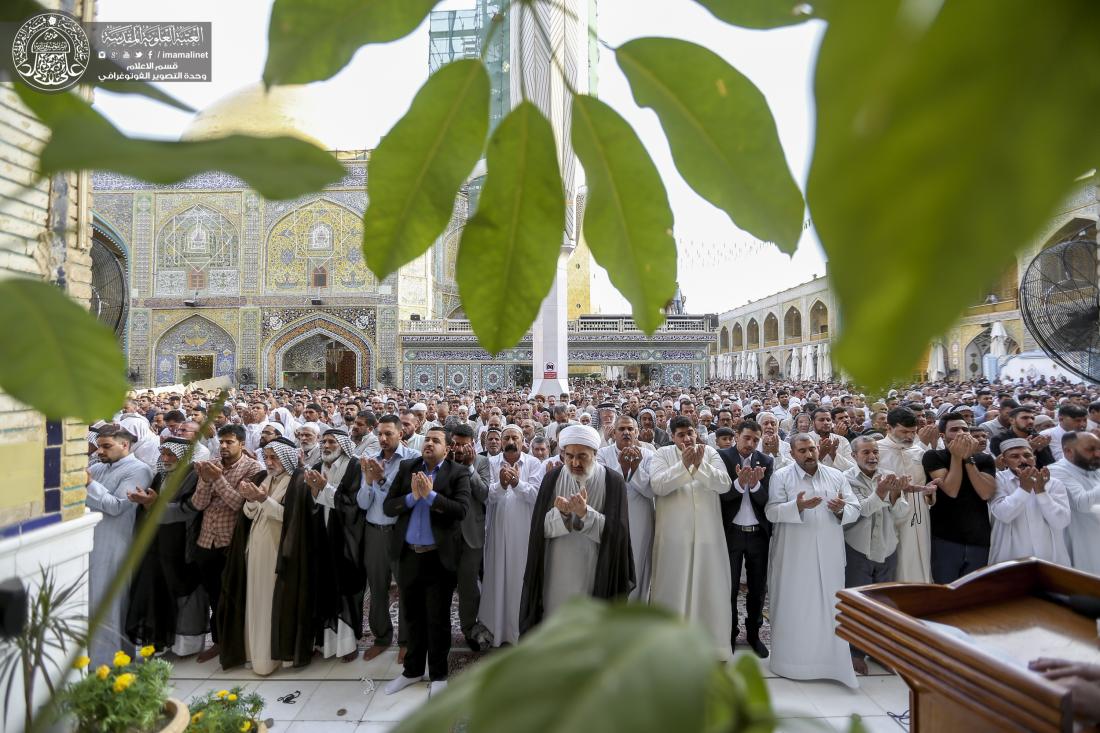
{"x":311,"y":40}
{"x":509,"y":251}
{"x":57,"y":357}
{"x":944,"y":145}
{"x":627,"y":219}
{"x":721,"y":133}
{"x":420,"y":164}
{"x":277,"y":168}
{"x":763,"y":13}
{"x":590,"y":667}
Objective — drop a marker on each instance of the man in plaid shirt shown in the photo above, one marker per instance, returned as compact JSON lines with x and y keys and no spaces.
{"x":217,"y":497}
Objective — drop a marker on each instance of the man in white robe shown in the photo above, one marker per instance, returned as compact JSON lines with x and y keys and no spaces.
{"x":834,"y":451}
{"x":580,"y":536}
{"x":514,"y":486}
{"x":117,"y":473}
{"x":691,"y":570}
{"x":899,"y":454}
{"x":1030,"y":509}
{"x":1079,"y":470}
{"x":809,"y":504}
{"x":631,"y":459}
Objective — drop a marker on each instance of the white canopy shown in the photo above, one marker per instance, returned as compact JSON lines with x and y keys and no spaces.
{"x":937,"y":363}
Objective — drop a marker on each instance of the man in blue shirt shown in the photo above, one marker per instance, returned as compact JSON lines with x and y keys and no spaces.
{"x":429,"y":498}
{"x":378,"y":474}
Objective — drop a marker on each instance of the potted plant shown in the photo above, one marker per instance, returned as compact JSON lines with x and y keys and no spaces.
{"x":124,"y":697}
{"x":227,"y":711}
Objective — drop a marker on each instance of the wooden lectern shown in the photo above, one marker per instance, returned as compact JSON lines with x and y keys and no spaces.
{"x":977,"y":680}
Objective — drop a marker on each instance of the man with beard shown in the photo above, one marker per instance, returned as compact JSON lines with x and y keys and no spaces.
{"x":626,"y":456}
{"x":809,"y":504}
{"x":220,"y":501}
{"x":691,"y":570}
{"x":747,"y":529}
{"x":834,"y":451}
{"x":1023,"y":426}
{"x":429,"y":499}
{"x":334,"y":483}
{"x":473,"y":532}
{"x":515,"y":478}
{"x":362,"y":433}
{"x":580,"y":536}
{"x":309,"y":442}
{"x":379,"y":473}
{"x":168,"y":607}
{"x":109,"y":482}
{"x":899,"y":454}
{"x":871,"y":542}
{"x":647,"y":428}
{"x":1079,"y":471}
{"x":410,"y":427}
{"x":1030,"y":509}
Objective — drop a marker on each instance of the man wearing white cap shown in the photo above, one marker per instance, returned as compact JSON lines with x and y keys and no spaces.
{"x":1030,"y":509}
{"x":691,"y":570}
{"x":580,"y":533}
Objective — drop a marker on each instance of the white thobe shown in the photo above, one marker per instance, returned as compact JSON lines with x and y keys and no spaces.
{"x":572,"y":552}
{"x":1055,"y":434}
{"x":914,"y":525}
{"x":111,"y":540}
{"x":691,"y":569}
{"x":1083,"y":533}
{"x":805,"y":573}
{"x":842,"y":460}
{"x":1027,"y":524}
{"x":639,"y":505}
{"x":343,"y":640}
{"x":507,"y":532}
{"x":262,"y":554}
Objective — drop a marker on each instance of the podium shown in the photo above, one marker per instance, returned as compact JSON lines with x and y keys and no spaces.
{"x":963,"y":648}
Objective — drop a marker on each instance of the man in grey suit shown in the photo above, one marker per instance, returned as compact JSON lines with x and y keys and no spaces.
{"x":473,"y":529}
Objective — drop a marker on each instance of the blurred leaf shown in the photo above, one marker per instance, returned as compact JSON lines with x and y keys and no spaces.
{"x":627,"y":219}
{"x":721,"y":133}
{"x":763,"y":13}
{"x":57,"y":357}
{"x":756,"y":690}
{"x":144,"y":89}
{"x":277,"y":168}
{"x":311,"y":40}
{"x":509,"y":250}
{"x":944,"y":145}
{"x":855,"y":725}
{"x":420,"y":164}
{"x":599,"y":668}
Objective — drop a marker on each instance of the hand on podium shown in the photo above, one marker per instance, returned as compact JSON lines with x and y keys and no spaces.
{"x":1080,"y":678}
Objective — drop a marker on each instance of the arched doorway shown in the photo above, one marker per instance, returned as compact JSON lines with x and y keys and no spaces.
{"x":723,"y":340}
{"x":819,"y":318}
{"x":738,"y":337}
{"x":192,"y":350}
{"x":319,"y":361}
{"x":771,"y":329}
{"x":771,"y":368}
{"x":110,"y":299}
{"x":752,"y":334}
{"x":792,"y":324}
{"x":977,"y":349}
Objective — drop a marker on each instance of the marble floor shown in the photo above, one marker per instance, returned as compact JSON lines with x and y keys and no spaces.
{"x":334,"y":696}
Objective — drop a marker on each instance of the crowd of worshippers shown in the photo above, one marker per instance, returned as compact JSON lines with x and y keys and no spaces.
{"x":296,"y":510}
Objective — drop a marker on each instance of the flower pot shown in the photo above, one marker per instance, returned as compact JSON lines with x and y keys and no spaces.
{"x":178,"y":717}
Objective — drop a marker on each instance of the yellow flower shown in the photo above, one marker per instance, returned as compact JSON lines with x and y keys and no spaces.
{"x":148,"y":651}
{"x":231,"y":697}
{"x":123,"y":681}
{"x":221,"y":693}
{"x":246,"y":725}
{"x":122,"y":659}
{"x":102,"y":671}
{"x":196,"y":717}
{"x":81,"y":662}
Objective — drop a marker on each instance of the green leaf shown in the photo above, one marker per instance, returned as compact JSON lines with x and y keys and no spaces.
{"x":601,"y":668}
{"x":277,"y":167}
{"x":763,"y":13}
{"x":944,"y":145}
{"x":311,"y":40}
{"x":509,"y":251}
{"x":57,"y":357}
{"x":144,"y":89}
{"x":627,"y":219}
{"x":756,"y":690}
{"x":418,"y":167}
{"x":721,"y":133}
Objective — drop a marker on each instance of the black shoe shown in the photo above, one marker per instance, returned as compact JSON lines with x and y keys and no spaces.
{"x":472,"y":643}
{"x":758,"y":647}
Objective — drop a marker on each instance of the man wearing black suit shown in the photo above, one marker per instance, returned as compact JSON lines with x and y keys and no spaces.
{"x":429,"y":497}
{"x":748,"y":531}
{"x":473,"y":530}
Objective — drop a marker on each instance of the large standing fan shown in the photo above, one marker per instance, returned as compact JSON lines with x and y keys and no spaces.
{"x":1060,"y":302}
{"x":108,"y":302}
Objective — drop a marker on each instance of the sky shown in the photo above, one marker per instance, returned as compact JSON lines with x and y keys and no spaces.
{"x":719,"y":266}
